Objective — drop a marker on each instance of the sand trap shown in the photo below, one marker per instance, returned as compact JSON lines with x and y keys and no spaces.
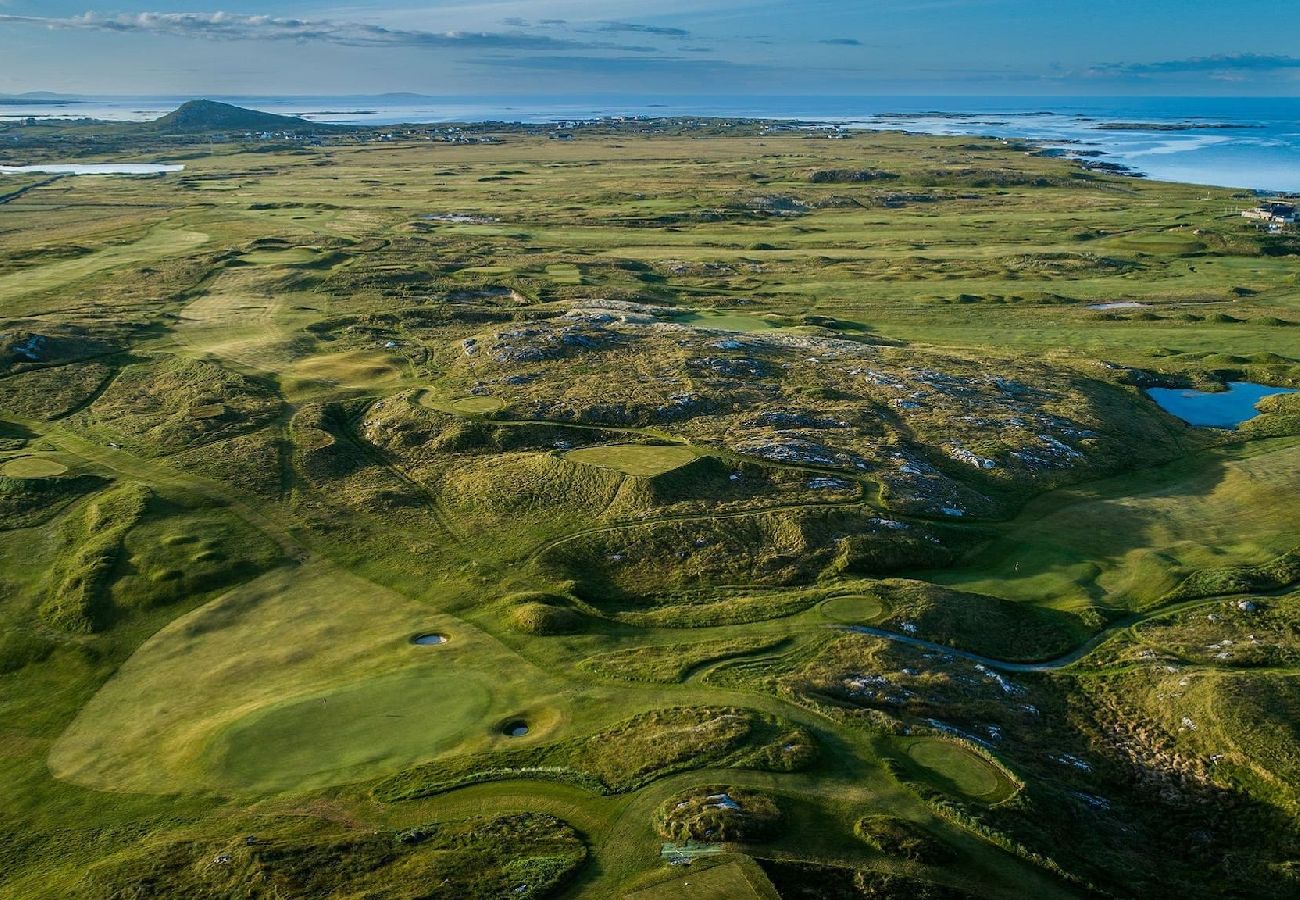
{"x":515,"y":728}
{"x":429,"y":640}
{"x":32,"y":467}
{"x":1121,"y":304}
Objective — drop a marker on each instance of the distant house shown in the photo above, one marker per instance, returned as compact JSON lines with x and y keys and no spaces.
{"x":1273,"y":213}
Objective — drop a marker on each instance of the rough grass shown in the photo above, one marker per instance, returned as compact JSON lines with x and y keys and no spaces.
{"x":718,"y":814}
{"x":77,"y":597}
{"x":527,"y":856}
{"x":628,"y":755}
{"x":670,"y":663}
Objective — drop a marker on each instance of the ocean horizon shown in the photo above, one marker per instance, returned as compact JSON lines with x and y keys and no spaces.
{"x":1245,"y":143}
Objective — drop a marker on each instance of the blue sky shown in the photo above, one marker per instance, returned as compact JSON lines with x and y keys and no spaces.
{"x":762,"y":47}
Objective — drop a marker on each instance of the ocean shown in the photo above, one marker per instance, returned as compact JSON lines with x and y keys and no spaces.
{"x":1251,"y":143}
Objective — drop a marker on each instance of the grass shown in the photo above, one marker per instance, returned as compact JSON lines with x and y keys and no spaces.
{"x":638,"y":460}
{"x":638,"y":448}
{"x":853,"y":609}
{"x":477,"y":406}
{"x":960,"y":770}
{"x":731,"y":879}
{"x":33,"y":467}
{"x":258,"y":664}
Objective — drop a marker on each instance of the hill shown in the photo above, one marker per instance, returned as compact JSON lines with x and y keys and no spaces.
{"x":198,"y":116}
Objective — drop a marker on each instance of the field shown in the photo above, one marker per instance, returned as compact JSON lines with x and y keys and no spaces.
{"x":783,"y":527}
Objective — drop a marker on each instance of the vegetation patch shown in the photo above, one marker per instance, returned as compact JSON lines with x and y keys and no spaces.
{"x":718,"y":814}
{"x":672,"y":663}
{"x":91,"y":545}
{"x":152,"y":405}
{"x":27,"y":502}
{"x":527,"y":855}
{"x":627,"y":756}
{"x":901,"y":839}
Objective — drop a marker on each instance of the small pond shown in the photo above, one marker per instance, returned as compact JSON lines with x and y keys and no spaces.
{"x":1219,"y":409}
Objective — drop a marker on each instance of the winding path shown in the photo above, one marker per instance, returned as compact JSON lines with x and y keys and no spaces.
{"x":1049,"y":665}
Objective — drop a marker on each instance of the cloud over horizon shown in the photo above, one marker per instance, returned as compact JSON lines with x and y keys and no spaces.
{"x":231,"y":27}
{"x":1220,"y":64}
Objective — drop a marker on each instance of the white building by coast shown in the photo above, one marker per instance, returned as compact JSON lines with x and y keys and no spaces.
{"x":1273,"y":213}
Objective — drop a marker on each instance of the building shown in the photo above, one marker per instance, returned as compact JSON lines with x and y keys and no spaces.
{"x":1273,"y":213}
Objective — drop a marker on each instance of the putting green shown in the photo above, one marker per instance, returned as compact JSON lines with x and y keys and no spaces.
{"x":33,"y":467}
{"x":853,"y":609}
{"x":398,"y":719}
{"x":306,"y":674}
{"x":641,"y":460}
{"x":959,"y":769}
{"x":564,"y":273}
{"x":477,"y":406}
{"x":296,"y":256}
{"x":1166,"y":242}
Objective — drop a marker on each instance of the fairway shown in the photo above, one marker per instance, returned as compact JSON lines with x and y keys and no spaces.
{"x":639,"y":460}
{"x":728,"y":881}
{"x":159,"y":243}
{"x":1130,"y":542}
{"x":314,"y":665}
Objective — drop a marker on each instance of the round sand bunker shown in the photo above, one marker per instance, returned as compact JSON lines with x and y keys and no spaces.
{"x":429,"y":639}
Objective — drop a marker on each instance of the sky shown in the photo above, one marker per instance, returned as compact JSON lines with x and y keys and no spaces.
{"x":661,"y":48}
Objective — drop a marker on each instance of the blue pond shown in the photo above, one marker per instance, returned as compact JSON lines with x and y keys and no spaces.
{"x":1222,"y":409}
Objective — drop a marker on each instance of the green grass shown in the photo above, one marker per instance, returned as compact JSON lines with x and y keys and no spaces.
{"x":638,"y":450}
{"x":259,"y":663}
{"x":671,"y":663}
{"x":733,"y":879}
{"x":33,"y":467}
{"x":638,"y":460}
{"x":477,"y":406}
{"x":952,"y":767}
{"x":853,"y":609}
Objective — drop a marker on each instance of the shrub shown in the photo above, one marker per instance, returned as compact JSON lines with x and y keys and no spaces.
{"x":718,"y":814}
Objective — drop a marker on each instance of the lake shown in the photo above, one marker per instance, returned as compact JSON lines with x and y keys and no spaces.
{"x":92,"y":169}
{"x":1219,"y":409}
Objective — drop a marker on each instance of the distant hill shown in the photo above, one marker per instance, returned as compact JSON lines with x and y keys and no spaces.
{"x":198,"y":116}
